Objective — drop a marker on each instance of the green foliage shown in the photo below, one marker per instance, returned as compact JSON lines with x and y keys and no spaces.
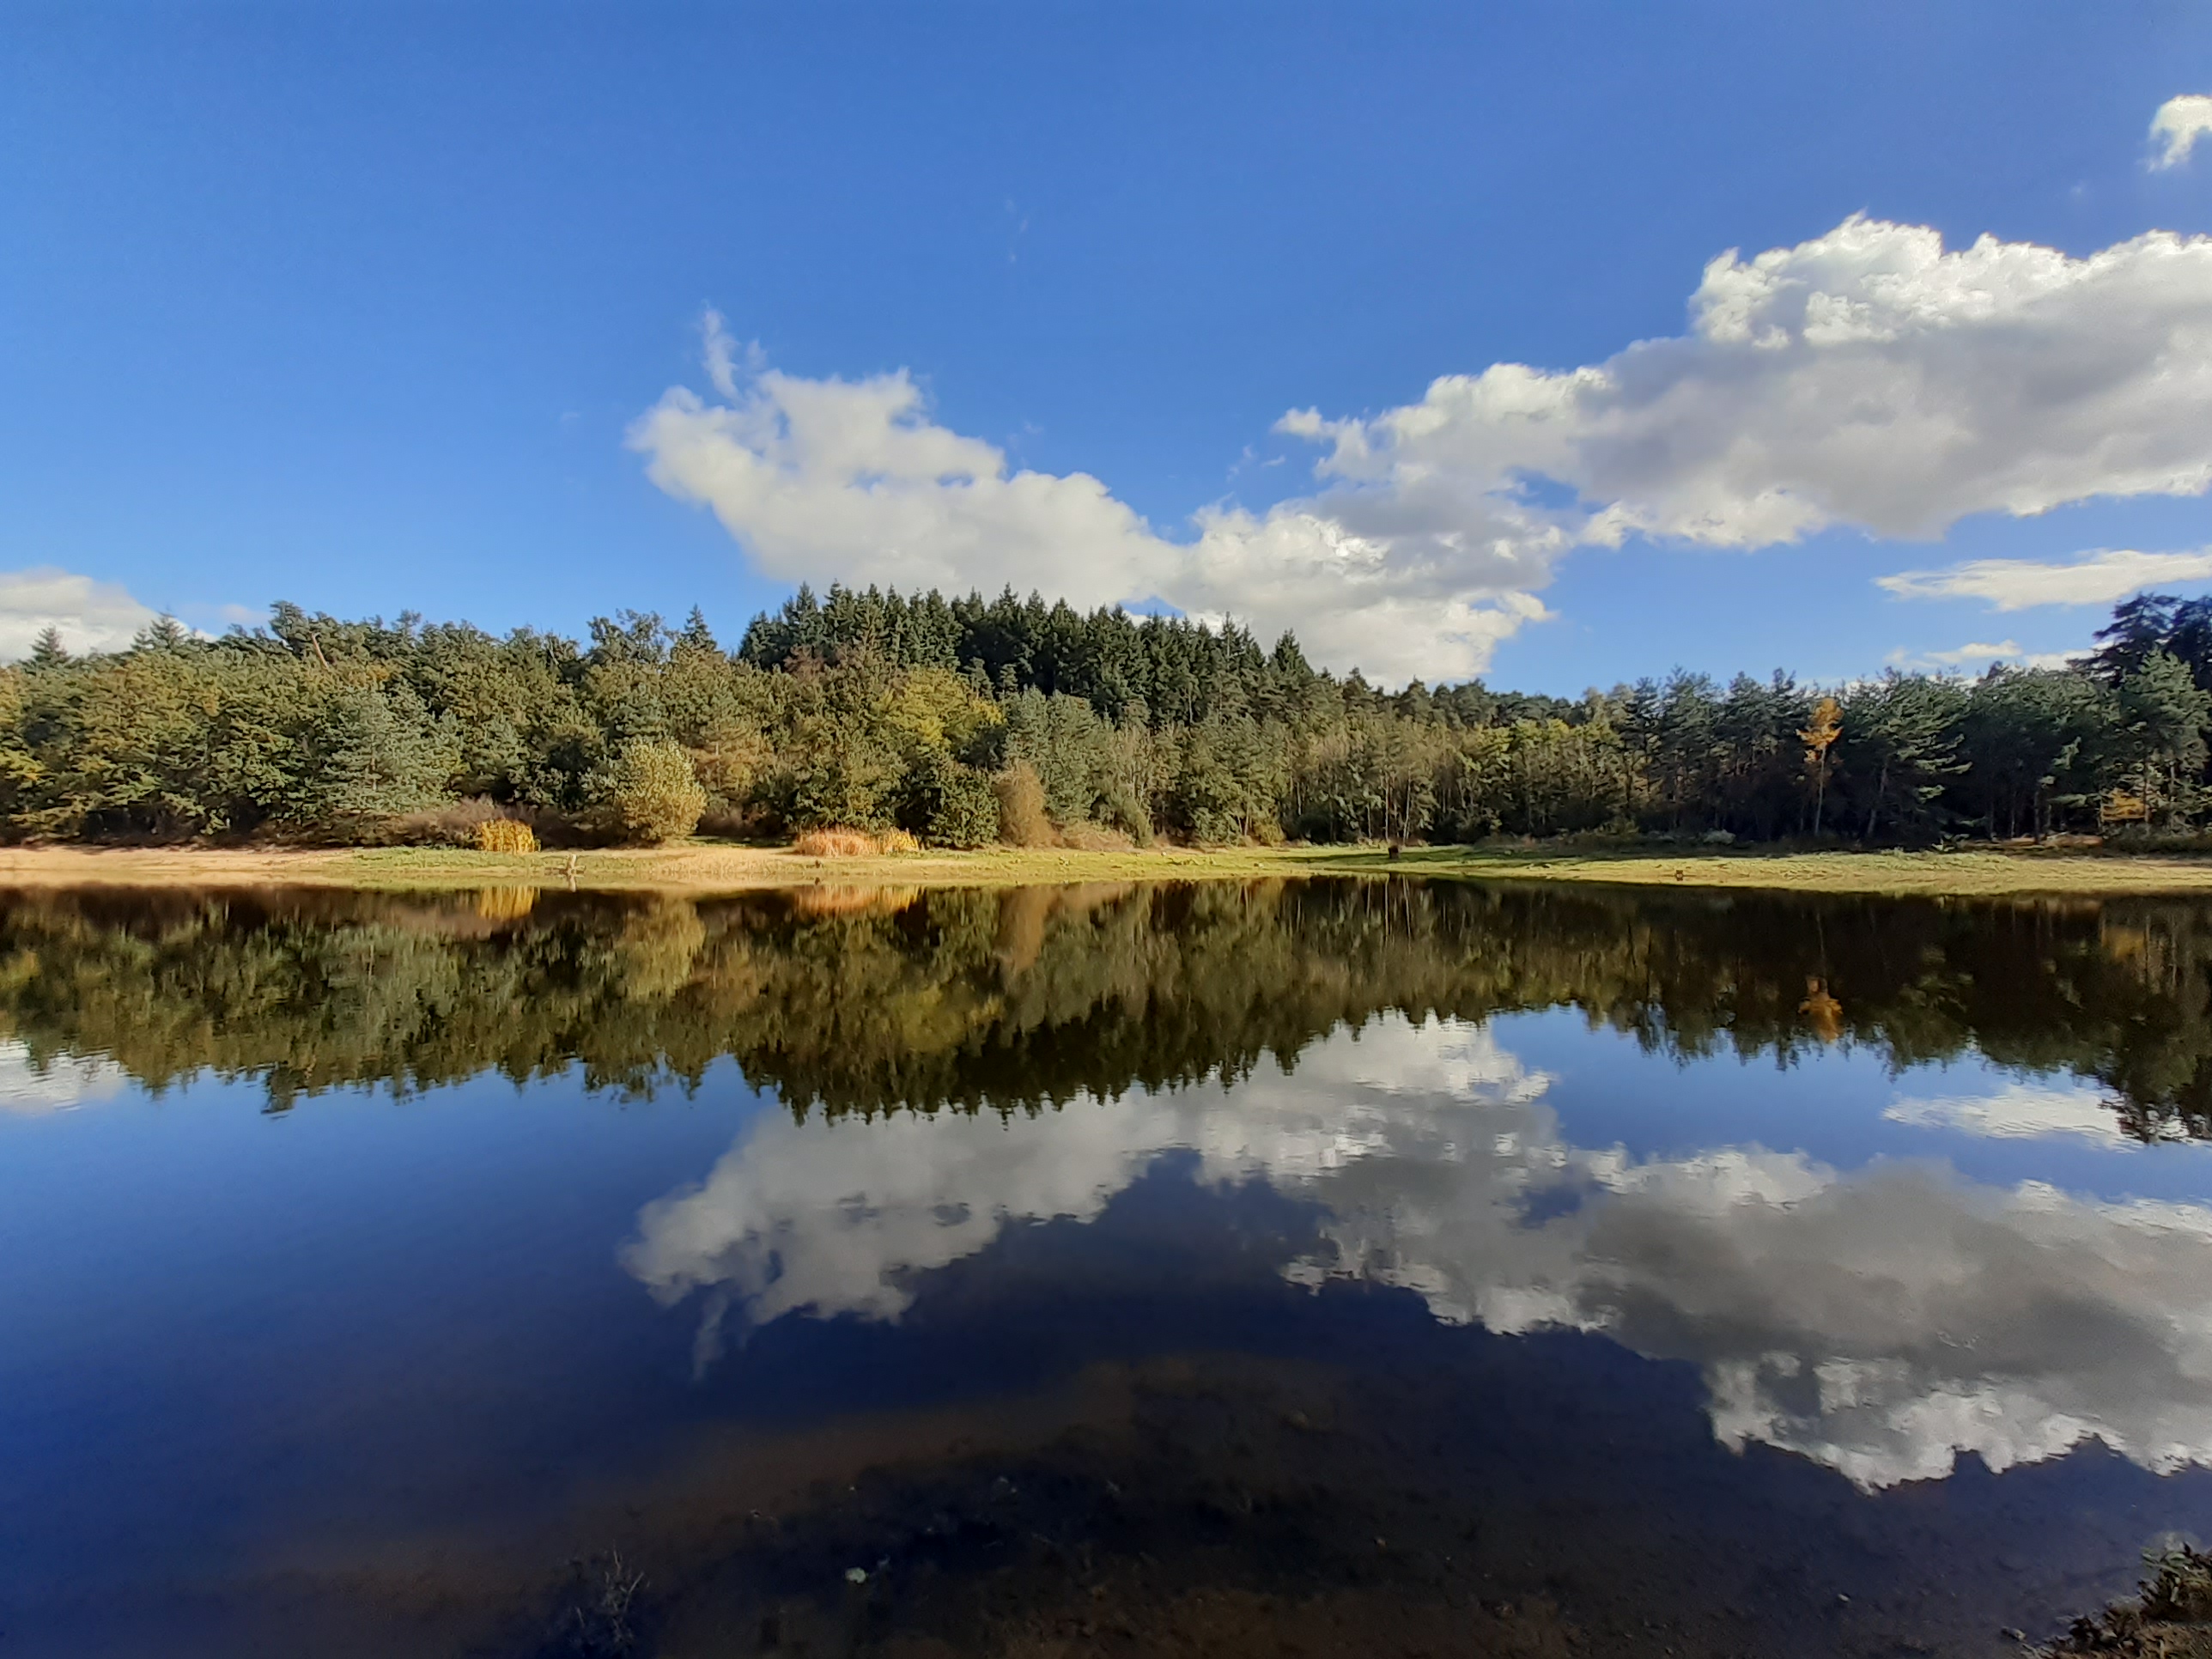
{"x":649,"y":794}
{"x":364,"y":755}
{"x":952,"y":804}
{"x":871,"y":710}
{"x":2163,"y":714}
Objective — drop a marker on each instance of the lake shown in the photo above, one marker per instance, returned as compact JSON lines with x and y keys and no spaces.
{"x":1326,"y":1267}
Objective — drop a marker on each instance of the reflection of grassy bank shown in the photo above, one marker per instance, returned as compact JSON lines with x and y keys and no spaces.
{"x":731,"y":866}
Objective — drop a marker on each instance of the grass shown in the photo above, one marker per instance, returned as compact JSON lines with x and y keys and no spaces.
{"x":712,"y":866}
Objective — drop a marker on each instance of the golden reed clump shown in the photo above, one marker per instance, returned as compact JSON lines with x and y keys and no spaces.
{"x":852,"y":844}
{"x":505,"y":835}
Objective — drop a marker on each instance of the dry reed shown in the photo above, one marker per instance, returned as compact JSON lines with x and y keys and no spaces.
{"x":853,"y":843}
{"x":836,"y":844}
{"x":505,"y":835}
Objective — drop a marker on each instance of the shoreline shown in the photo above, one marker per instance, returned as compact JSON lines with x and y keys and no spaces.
{"x":701,"y":868}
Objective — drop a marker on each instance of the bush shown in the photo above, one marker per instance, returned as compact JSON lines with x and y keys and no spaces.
{"x":650,"y":794}
{"x":505,"y":836}
{"x":1022,"y":820}
{"x":835,"y":844}
{"x":852,"y":844}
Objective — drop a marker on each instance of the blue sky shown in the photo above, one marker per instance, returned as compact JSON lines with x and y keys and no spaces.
{"x":377,"y":307}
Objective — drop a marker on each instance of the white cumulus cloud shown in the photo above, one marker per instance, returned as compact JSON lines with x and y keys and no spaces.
{"x":90,"y":616}
{"x":851,"y":480}
{"x":2097,"y":577}
{"x":2179,"y":123}
{"x":1868,"y":377}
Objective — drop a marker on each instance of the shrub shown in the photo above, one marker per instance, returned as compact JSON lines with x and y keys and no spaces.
{"x":505,"y":836}
{"x":852,"y":844}
{"x":1022,"y":820}
{"x":835,"y":844}
{"x":650,"y":794}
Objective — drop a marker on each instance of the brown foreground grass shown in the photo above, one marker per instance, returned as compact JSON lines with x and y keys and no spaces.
{"x":708,"y":867}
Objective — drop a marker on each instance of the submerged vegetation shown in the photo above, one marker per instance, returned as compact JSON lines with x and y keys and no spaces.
{"x":962,"y":722}
{"x":2169,"y":1618}
{"x":867,"y":999}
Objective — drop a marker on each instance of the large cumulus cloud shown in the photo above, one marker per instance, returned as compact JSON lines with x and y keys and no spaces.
{"x":1869,"y":377}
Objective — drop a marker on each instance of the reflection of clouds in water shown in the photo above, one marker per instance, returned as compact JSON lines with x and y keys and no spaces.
{"x":1880,"y":1321}
{"x":833,"y":1215}
{"x":27,"y":1090}
{"x":2017,"y":1111}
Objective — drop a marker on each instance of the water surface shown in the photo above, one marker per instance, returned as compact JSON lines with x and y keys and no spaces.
{"x":1323,"y":1267}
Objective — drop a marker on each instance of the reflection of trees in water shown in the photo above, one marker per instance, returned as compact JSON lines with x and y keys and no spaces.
{"x":869,"y":1000}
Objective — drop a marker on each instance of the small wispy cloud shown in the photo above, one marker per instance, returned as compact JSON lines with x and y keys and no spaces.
{"x":2179,"y":123}
{"x":2097,"y":577}
{"x":728,"y":360}
{"x":1978,"y":656}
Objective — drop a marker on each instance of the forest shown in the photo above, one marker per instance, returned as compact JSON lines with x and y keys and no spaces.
{"x":965,"y":722}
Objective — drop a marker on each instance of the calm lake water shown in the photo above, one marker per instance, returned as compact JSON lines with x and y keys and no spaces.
{"x":1291,"y":1268}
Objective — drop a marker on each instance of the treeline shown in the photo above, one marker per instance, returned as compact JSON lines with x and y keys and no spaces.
{"x":962,"y":721}
{"x":849,"y":1000}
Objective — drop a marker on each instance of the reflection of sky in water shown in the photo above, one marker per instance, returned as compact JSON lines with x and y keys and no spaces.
{"x":30,"y":1090}
{"x":1877,"y":1273}
{"x":284,"y":1340}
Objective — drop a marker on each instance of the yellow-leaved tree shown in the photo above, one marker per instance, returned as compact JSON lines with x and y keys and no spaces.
{"x":1819,"y":739}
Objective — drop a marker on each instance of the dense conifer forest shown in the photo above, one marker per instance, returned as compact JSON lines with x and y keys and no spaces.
{"x":964,"y":721}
